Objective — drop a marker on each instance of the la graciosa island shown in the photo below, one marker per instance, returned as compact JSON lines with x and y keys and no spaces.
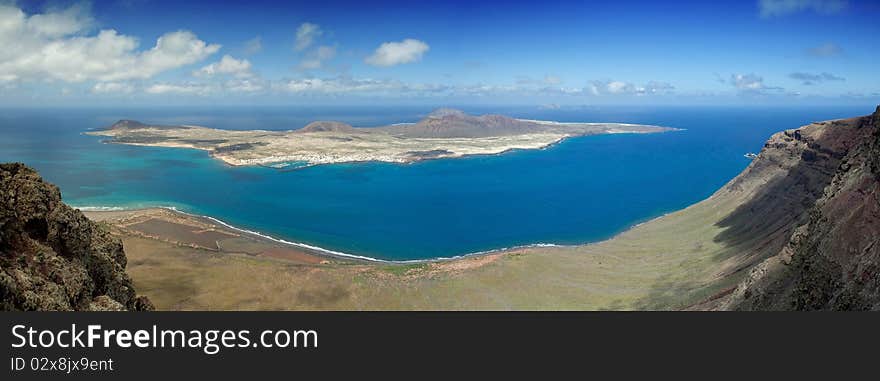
{"x":444,"y":133}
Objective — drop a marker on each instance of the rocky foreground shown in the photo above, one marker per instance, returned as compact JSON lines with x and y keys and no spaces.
{"x":54,"y":258}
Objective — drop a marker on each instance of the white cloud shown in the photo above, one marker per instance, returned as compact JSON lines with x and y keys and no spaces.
{"x":306,"y":35}
{"x":315,"y":59}
{"x":177,"y":49}
{"x":617,"y":87}
{"x":248,"y":85}
{"x":771,"y":8}
{"x":113,"y":88}
{"x":626,"y":88}
{"x":747,"y":81}
{"x":56,"y":46}
{"x":182,"y":88}
{"x":396,"y":53}
{"x":59,"y":23}
{"x":484,"y":89}
{"x":244,"y":85}
{"x":226,"y":65}
{"x":750,"y":83}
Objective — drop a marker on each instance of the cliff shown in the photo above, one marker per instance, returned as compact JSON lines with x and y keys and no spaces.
{"x":54,"y":258}
{"x":820,"y":219}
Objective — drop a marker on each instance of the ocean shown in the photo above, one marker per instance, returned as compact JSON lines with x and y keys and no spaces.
{"x":582,"y":190}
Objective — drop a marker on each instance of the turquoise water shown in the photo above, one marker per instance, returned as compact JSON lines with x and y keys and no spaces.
{"x":582,"y":190}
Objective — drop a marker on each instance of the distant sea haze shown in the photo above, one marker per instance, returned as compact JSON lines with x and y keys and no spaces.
{"x":582,"y":190}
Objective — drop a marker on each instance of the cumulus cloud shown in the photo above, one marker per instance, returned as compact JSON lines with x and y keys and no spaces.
{"x":626,"y":88}
{"x":306,"y":35}
{"x":189,"y":88}
{"x":316,"y":58}
{"x":55,"y":45}
{"x":825,"y":50}
{"x":396,"y":53}
{"x":747,"y":81}
{"x":771,"y":8}
{"x":173,"y":50}
{"x":244,"y":85}
{"x":112,"y":88}
{"x":810,"y":78}
{"x":750,"y":83}
{"x":54,"y":24}
{"x":227,"y":65}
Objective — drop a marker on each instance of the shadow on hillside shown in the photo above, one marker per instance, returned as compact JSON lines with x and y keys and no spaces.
{"x":760,"y":227}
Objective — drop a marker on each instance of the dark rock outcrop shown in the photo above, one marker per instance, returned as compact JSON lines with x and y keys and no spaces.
{"x":830,"y":258}
{"x":54,"y":258}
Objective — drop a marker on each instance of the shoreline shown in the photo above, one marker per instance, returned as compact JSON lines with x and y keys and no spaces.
{"x":333,"y":254}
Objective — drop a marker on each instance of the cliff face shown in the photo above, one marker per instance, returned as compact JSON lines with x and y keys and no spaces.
{"x":826,"y":209}
{"x":54,"y":258}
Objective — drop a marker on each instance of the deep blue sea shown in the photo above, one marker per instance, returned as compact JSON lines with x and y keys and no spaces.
{"x":583,"y":190}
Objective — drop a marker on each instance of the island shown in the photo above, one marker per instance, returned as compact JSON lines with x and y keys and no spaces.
{"x":444,"y":133}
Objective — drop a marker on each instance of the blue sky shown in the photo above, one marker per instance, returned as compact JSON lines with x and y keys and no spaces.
{"x":151,"y":52}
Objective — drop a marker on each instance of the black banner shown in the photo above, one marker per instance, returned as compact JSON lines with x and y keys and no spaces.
{"x":331,"y":344}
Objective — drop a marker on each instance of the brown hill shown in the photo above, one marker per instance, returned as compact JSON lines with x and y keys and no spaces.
{"x":127,"y":124}
{"x":327,"y":126}
{"x":450,"y":123}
